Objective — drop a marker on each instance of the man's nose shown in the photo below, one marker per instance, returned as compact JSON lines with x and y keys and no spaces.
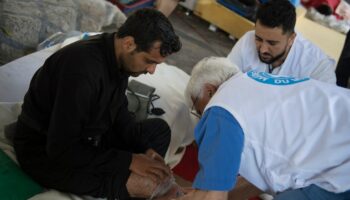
{"x":264,"y":48}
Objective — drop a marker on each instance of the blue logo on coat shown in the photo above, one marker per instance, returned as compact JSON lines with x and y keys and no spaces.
{"x":267,"y":78}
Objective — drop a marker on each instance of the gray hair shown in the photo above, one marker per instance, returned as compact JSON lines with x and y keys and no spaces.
{"x":212,"y":70}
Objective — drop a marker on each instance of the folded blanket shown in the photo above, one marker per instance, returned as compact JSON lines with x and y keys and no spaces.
{"x":24,"y":24}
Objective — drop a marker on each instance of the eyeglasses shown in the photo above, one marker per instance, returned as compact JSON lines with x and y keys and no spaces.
{"x":193,"y":109}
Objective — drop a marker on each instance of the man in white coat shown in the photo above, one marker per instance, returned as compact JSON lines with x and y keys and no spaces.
{"x":287,"y":136}
{"x":275,"y":47}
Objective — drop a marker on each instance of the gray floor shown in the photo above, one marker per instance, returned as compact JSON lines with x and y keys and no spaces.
{"x":197,"y":40}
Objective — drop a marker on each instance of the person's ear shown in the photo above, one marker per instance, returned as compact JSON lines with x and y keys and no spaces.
{"x":210,"y":89}
{"x":129,"y":44}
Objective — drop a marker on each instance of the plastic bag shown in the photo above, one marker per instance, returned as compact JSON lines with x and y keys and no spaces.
{"x":57,"y":38}
{"x":165,"y":187}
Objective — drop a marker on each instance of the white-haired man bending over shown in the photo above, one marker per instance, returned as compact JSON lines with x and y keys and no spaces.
{"x":287,"y":136}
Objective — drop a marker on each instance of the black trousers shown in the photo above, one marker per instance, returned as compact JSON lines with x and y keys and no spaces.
{"x":343,"y":68}
{"x":153,"y":132}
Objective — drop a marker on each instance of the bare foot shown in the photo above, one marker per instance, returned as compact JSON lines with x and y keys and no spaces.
{"x":175,"y":192}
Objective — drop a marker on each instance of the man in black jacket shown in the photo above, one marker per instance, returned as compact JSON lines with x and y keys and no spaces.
{"x":75,"y":133}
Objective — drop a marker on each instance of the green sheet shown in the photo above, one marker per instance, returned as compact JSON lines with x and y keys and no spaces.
{"x":14,"y":183}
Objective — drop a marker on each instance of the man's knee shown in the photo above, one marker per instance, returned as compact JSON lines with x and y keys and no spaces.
{"x":165,"y":130}
{"x":163,"y":137}
{"x":292,"y":194}
{"x":309,"y":192}
{"x":159,"y":132}
{"x":162,"y":125}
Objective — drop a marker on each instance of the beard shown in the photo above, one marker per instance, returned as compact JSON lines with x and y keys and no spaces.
{"x":136,"y":74}
{"x":126,"y":68}
{"x":272,"y":59}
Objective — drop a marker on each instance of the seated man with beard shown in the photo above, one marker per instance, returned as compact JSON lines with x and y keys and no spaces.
{"x":75,"y":133}
{"x":275,"y":47}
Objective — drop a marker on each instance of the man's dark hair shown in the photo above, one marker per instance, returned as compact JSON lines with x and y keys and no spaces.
{"x":277,"y":13}
{"x":147,"y":26}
